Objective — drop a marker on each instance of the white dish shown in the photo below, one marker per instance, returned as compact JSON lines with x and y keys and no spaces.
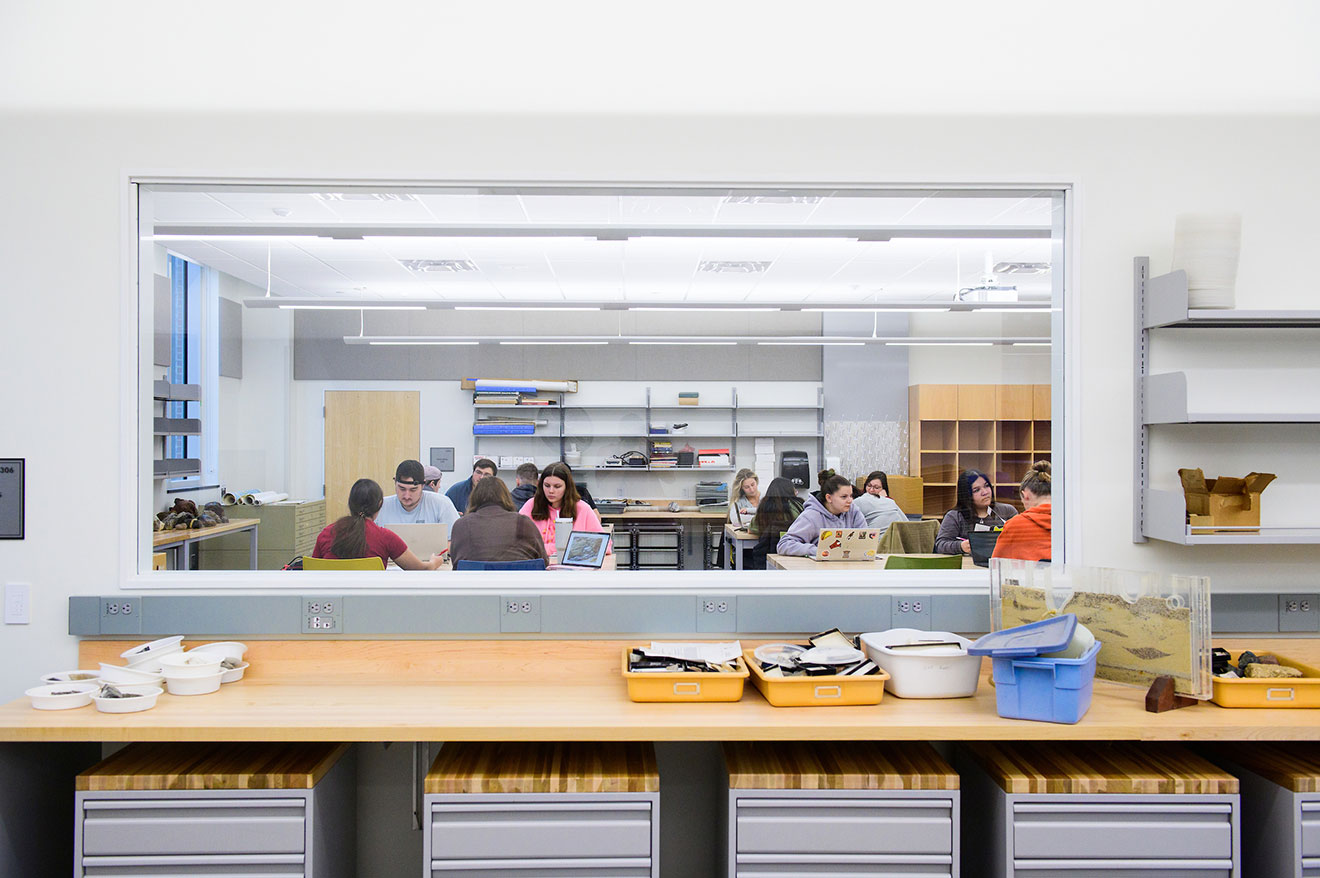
{"x":120,"y":674}
{"x":192,"y":684}
{"x":72,"y":677}
{"x":191,"y":664}
{"x":146,"y":656}
{"x":832,"y":655}
{"x":143,"y":698}
{"x":782,"y":654}
{"x":227,"y":649}
{"x":233,"y":675}
{"x":924,"y":672}
{"x":76,"y":695}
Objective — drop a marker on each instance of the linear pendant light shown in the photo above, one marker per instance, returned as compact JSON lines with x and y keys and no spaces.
{"x":695,"y":340}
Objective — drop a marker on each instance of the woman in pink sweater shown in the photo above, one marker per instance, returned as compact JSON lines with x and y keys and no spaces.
{"x":557,"y":497}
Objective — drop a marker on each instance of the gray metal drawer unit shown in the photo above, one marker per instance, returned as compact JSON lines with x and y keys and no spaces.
{"x":1096,"y":810}
{"x":249,"y":810}
{"x":516,"y":810}
{"x":1280,"y":806}
{"x":840,"y":810}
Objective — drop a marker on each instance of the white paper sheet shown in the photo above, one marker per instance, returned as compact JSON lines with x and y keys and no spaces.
{"x":716,"y":653}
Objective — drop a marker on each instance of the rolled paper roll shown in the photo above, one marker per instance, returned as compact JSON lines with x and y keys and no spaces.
{"x":228,"y":499}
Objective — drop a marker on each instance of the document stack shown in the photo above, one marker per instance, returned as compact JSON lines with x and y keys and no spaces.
{"x":662,"y":454}
{"x":712,"y":493}
{"x":764,"y":466}
{"x":713,"y":457}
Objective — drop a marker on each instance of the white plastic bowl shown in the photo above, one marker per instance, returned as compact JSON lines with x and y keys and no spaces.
{"x":227,"y":649}
{"x":934,"y":672}
{"x":72,"y":677}
{"x":233,"y":675}
{"x":144,"y":699}
{"x":146,"y":656}
{"x":79,"y":694}
{"x":191,"y":684}
{"x":191,"y":664}
{"x":118,"y":674}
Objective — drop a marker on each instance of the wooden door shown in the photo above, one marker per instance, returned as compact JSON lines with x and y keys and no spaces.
{"x":367,"y":433}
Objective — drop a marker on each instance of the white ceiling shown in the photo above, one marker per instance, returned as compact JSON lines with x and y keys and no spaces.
{"x":583,"y":268}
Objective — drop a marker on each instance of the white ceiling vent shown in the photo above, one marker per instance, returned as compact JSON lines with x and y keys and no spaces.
{"x":729,"y":267}
{"x":772,"y":199}
{"x":1021,"y":267}
{"x":363,"y":196}
{"x":421,"y":266}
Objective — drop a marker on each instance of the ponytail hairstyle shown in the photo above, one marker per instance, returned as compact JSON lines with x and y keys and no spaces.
{"x":350,"y":540}
{"x":822,"y":477}
{"x":568,"y":505}
{"x":1037,"y":480}
{"x":832,"y":484}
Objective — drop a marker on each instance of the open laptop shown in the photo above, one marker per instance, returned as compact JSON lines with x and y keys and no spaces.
{"x":584,"y":550}
{"x":847,"y":544}
{"x":424,"y":540}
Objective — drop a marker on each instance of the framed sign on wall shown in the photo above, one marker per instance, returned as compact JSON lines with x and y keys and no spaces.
{"x":11,"y":498}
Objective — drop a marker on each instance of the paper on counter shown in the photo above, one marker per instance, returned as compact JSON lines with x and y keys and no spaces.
{"x":715,"y":653}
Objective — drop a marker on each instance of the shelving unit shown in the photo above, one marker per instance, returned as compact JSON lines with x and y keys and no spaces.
{"x":1161,"y":303}
{"x":999,"y":429}
{"x":163,"y":427}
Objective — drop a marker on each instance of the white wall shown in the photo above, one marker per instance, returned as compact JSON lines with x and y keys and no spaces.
{"x":63,"y":180}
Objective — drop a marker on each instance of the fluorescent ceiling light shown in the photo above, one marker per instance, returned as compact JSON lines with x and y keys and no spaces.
{"x":526,"y":307}
{"x":908,"y":309}
{"x":816,"y":343}
{"x":681,"y":342}
{"x":421,"y":342}
{"x":288,"y":238}
{"x":555,"y":342}
{"x":1013,"y":310}
{"x":352,"y":307}
{"x":1031,"y":344}
{"x":954,"y":344}
{"x":696,"y":307}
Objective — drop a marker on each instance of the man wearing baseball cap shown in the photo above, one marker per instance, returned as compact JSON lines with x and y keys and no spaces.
{"x":431,"y":480}
{"x":412,"y":505}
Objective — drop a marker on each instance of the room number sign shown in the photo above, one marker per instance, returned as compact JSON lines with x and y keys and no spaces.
{"x":11,"y":498}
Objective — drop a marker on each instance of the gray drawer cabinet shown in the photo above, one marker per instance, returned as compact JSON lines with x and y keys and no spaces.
{"x":1280,"y":807}
{"x":515,"y":810}
{"x":287,"y":530}
{"x":252,"y":833}
{"x":1052,"y":834}
{"x":805,"y":809}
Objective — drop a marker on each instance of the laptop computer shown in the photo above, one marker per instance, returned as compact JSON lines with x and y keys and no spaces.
{"x":847,"y":544}
{"x":584,"y":550}
{"x":424,"y":540}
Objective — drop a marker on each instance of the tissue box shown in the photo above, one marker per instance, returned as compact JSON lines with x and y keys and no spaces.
{"x":1224,"y":502}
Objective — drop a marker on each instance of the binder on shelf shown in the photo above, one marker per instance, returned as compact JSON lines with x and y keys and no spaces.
{"x":503,"y":429}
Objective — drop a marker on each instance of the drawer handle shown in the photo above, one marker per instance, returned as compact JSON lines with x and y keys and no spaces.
{"x":692,"y":688}
{"x":1279,"y":694}
{"x":834,"y":691}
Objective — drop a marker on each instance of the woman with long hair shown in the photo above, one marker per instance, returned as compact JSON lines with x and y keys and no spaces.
{"x":976,"y":510}
{"x":357,"y":535}
{"x":490,"y":529}
{"x":875,"y":503}
{"x":744,"y":497}
{"x":557,"y":497}
{"x":835,"y":510}
{"x":1027,"y":536}
{"x":779,"y":508}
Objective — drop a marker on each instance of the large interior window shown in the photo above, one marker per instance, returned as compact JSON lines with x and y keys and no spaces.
{"x":914,"y":332}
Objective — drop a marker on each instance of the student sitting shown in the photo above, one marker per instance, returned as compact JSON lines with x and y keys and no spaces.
{"x":875,"y":504}
{"x":557,"y":497}
{"x":525,"y":475}
{"x":458,"y":494}
{"x":1027,"y":536}
{"x":779,"y":508}
{"x":821,"y":478}
{"x":836,"y":511}
{"x":976,"y":509}
{"x":411,"y":504}
{"x":744,"y":497}
{"x":357,"y":535}
{"x":490,"y":529}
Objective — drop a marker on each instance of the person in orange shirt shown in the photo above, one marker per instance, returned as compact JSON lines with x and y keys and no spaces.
{"x":1027,"y":536}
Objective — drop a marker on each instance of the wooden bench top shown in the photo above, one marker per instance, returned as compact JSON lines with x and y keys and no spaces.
{"x":515,"y":767}
{"x":1294,"y":766}
{"x":811,"y":765}
{"x":1100,"y":767}
{"x":220,"y":766}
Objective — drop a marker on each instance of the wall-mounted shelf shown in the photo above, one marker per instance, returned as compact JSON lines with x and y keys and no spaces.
{"x":163,"y":427}
{"x":1163,"y":398}
{"x":164,"y":390}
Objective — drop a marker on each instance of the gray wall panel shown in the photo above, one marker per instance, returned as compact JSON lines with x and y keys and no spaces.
{"x":160,"y":320}
{"x":231,"y":338}
{"x":961,"y":614}
{"x":84,"y":615}
{"x":1247,"y":613}
{"x":796,"y":614}
{"x":607,"y":614}
{"x":421,"y":614}
{"x":218,"y":614}
{"x":866,"y":383}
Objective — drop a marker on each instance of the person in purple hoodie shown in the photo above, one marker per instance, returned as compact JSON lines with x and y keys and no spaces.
{"x":835,"y":511}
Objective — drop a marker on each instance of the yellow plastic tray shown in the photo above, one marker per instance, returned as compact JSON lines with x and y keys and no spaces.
{"x":1285,"y":692}
{"x":816,"y":691}
{"x":685,"y":686}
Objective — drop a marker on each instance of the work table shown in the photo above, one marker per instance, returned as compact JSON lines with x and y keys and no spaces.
{"x":573,"y":690}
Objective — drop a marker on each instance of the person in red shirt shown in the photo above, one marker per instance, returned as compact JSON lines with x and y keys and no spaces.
{"x":357,"y":535}
{"x":1027,"y":536}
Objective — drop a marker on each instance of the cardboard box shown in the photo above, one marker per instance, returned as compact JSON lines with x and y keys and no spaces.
{"x":906,"y":491}
{"x":1224,"y":502}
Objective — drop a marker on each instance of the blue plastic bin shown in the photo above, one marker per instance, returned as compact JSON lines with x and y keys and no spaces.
{"x":1053,"y":690}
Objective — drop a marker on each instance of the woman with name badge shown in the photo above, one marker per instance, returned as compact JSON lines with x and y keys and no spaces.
{"x":834,"y":510}
{"x":976,"y":510}
{"x":557,"y":497}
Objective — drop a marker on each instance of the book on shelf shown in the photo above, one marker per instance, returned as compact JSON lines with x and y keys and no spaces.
{"x":500,"y":429}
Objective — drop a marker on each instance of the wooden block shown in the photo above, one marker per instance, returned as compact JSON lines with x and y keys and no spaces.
{"x":1161,"y":696}
{"x":1144,"y":767}
{"x":220,"y":766}
{"x":544,"y":768}
{"x":1293,"y":765}
{"x":802,"y":765}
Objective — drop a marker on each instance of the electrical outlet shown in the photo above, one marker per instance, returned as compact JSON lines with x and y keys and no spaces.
{"x":121,"y":615}
{"x":717,"y":614}
{"x":910,"y":611}
{"x":1299,"y":612}
{"x":520,"y":613}
{"x":322,"y":614}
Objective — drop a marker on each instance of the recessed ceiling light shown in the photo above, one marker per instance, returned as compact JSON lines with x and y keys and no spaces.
{"x":363,"y":196}
{"x":726,"y":266}
{"x":422,"y":266}
{"x":772,"y":199}
{"x":1021,"y":267}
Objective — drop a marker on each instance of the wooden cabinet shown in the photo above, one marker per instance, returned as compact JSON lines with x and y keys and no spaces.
{"x":999,"y":429}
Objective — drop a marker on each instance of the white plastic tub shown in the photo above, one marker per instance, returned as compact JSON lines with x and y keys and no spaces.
{"x":62,"y":696}
{"x":140,"y":698}
{"x":146,"y":656}
{"x":116,"y":674}
{"x":924,"y":672}
{"x":191,"y":664}
{"x":192,"y":684}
